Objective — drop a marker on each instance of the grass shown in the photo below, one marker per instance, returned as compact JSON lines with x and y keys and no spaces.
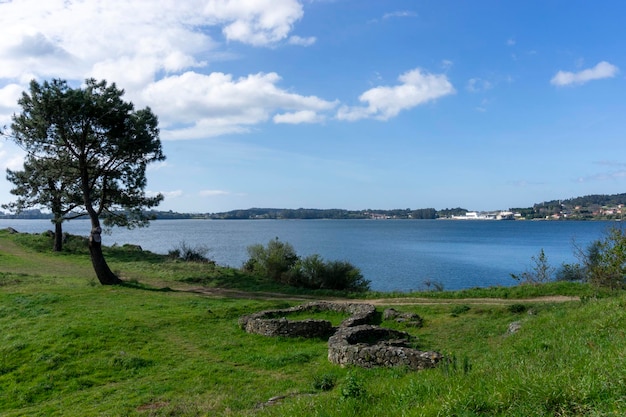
{"x":154,"y":347}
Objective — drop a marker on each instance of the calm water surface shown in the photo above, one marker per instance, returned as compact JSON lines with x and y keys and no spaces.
{"x":392,"y":254}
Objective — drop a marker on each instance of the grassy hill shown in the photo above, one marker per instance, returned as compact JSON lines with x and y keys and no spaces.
{"x":168,"y":344}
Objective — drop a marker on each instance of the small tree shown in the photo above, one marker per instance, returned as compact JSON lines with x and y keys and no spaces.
{"x":540,"y":272}
{"x":100,"y":146}
{"x":605,"y":260}
{"x":42,"y":184}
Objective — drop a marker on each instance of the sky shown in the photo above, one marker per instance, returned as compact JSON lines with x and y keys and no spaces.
{"x":352,"y":104}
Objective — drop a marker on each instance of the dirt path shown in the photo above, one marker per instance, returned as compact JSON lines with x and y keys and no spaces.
{"x":222,"y":292}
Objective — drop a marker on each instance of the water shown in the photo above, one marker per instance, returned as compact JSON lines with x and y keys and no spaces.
{"x":393,"y":254}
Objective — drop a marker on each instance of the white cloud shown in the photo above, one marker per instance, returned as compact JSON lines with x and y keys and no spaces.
{"x":476,"y":85}
{"x":304,"y":116}
{"x":297,"y":40}
{"x":400,"y":13}
{"x":255,"y":22}
{"x":417,"y":87}
{"x":197,"y":105}
{"x":213,"y":193}
{"x":11,"y":157}
{"x":601,"y":70}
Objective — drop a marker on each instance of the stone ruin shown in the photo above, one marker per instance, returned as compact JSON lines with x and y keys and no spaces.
{"x":370,"y":346}
{"x":274,"y":322}
{"x":355,"y":341}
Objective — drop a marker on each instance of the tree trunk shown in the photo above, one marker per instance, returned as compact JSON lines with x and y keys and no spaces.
{"x":58,"y":237}
{"x":103,"y":272}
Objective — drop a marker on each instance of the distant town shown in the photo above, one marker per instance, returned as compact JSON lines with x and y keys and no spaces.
{"x":591,"y":207}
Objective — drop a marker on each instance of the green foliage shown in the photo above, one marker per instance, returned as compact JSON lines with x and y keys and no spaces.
{"x":324,"y":382}
{"x":353,"y":387}
{"x":605,"y":260}
{"x":571,"y":272}
{"x":279,"y":261}
{"x":315,"y":273}
{"x":273,"y":260}
{"x":517,"y":308}
{"x":540,"y":272}
{"x":459,"y":309}
{"x":88,"y":150}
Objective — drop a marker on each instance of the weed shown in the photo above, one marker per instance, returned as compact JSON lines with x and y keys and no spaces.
{"x":517,"y":308}
{"x":353,"y":387}
{"x":324,"y":382}
{"x":459,"y":309}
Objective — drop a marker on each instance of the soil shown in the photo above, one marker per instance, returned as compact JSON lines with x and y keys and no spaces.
{"x":223,"y":292}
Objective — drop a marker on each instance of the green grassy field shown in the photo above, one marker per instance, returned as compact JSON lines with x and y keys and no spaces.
{"x":168,"y":344}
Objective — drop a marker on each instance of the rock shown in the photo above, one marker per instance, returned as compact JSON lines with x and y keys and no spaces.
{"x":514,"y":327}
{"x":409,"y":319}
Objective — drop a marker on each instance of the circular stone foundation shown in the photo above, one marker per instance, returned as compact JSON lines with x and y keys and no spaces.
{"x":276,"y":323}
{"x":372,"y":346}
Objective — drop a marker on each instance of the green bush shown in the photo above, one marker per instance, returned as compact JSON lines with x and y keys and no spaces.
{"x":279,"y":261}
{"x":605,"y":260}
{"x":571,"y":272}
{"x":313,"y":272}
{"x":273,"y":260}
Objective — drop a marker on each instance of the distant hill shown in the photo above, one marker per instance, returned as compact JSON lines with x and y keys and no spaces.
{"x":596,"y":206}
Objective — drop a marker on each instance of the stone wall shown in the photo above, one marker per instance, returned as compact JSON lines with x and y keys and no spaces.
{"x":275,"y":322}
{"x":354,"y":342}
{"x":371,"y":346}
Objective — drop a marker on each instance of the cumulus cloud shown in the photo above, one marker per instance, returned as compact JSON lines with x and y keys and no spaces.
{"x":417,"y":87}
{"x":197,"y":105}
{"x":601,"y":70}
{"x":255,"y":22}
{"x":158,"y":53}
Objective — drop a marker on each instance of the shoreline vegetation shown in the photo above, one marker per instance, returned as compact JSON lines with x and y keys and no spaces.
{"x":167,"y":343}
{"x":592,"y":207}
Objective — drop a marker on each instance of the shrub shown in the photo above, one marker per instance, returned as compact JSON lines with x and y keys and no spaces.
{"x":571,"y":272}
{"x":315,"y":273}
{"x":187,"y":253}
{"x":460,"y":309}
{"x":540,"y":272}
{"x":324,"y":382}
{"x":273,"y":260}
{"x":279,"y":261}
{"x":353,"y":387}
{"x":517,"y":308}
{"x":605,"y":260}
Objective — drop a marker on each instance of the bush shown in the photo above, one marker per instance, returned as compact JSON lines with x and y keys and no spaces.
{"x":273,"y":260}
{"x":279,"y":261}
{"x":605,"y":260}
{"x":313,"y":272}
{"x":187,"y":253}
{"x":571,"y":272}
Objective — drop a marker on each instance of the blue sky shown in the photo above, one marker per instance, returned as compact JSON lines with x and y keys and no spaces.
{"x":350,"y":104}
